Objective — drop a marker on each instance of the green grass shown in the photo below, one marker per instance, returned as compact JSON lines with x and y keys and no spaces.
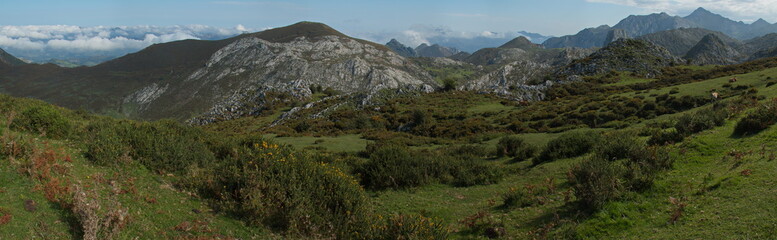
{"x":757,"y":79}
{"x":627,"y":79}
{"x":488,"y":107}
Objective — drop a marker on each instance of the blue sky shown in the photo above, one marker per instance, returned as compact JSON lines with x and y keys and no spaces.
{"x":556,"y":17}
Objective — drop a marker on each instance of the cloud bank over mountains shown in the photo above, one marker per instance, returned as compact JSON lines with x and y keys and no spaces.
{"x":41,"y":43}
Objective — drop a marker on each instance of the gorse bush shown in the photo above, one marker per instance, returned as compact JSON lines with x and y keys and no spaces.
{"x":702,"y":120}
{"x":515,"y":147}
{"x":764,"y":116}
{"x":568,"y":145}
{"x":162,"y":146}
{"x":516,"y":197}
{"x":396,"y":167}
{"x":43,"y":119}
{"x":597,"y":181}
{"x":405,"y":227}
{"x":620,"y":163}
{"x":270,"y":185}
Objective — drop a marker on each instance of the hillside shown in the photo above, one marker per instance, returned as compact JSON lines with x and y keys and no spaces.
{"x":636,"y":56}
{"x":9,"y":60}
{"x":189,"y":78}
{"x":224,"y":180}
{"x":680,"y":41}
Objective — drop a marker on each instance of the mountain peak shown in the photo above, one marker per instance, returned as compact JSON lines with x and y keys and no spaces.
{"x":300,"y":29}
{"x":702,"y":11}
{"x":712,"y":50}
{"x":520,"y":42}
{"x":761,"y":22}
{"x":400,"y":48}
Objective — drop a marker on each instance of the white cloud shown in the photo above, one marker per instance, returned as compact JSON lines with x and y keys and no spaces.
{"x":40,"y":43}
{"x":740,"y":9}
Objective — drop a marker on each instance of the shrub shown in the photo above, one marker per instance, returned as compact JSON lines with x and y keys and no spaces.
{"x":662,"y":137}
{"x":760,"y":119}
{"x":617,"y":145}
{"x":466,"y":171}
{"x":515,"y":147}
{"x":43,"y":119}
{"x":394,"y":167}
{"x":270,"y":185}
{"x":701,"y":120}
{"x":405,"y":227}
{"x":107,"y":142}
{"x":469,"y":150}
{"x":644,"y":165}
{"x":161,"y":146}
{"x":621,"y":163}
{"x":516,"y":197}
{"x":597,"y":181}
{"x":568,"y":145}
{"x":397,"y":168}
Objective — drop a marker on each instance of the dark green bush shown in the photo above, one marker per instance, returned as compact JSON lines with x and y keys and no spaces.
{"x":621,"y":163}
{"x":662,"y":137}
{"x":43,"y":119}
{"x":163,"y":146}
{"x":701,"y":120}
{"x":107,"y":141}
{"x":405,"y":227}
{"x":597,"y":181}
{"x":617,"y":145}
{"x":516,"y":197}
{"x":568,"y":145}
{"x":270,"y":185}
{"x":467,"y":171}
{"x":394,"y":167}
{"x":397,"y":167}
{"x":764,"y":116}
{"x":515,"y":147}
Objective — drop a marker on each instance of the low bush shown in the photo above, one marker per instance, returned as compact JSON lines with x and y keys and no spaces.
{"x":597,"y":181}
{"x":270,"y":185}
{"x":662,"y":137}
{"x":43,"y":120}
{"x":619,"y":164}
{"x":701,"y":120}
{"x":617,"y":145}
{"x":764,"y":116}
{"x":516,"y":148}
{"x":516,"y":197}
{"x":405,"y":227}
{"x":163,"y":146}
{"x":396,"y":167}
{"x":568,"y":145}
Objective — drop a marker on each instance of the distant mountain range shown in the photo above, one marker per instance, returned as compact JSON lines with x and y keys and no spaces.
{"x":636,"y":26}
{"x":423,"y":50}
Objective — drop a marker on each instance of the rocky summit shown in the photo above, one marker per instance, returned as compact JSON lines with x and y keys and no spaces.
{"x":712,"y":50}
{"x":637,"y":56}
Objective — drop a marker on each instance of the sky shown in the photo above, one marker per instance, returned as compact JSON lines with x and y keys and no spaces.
{"x":376,"y":20}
